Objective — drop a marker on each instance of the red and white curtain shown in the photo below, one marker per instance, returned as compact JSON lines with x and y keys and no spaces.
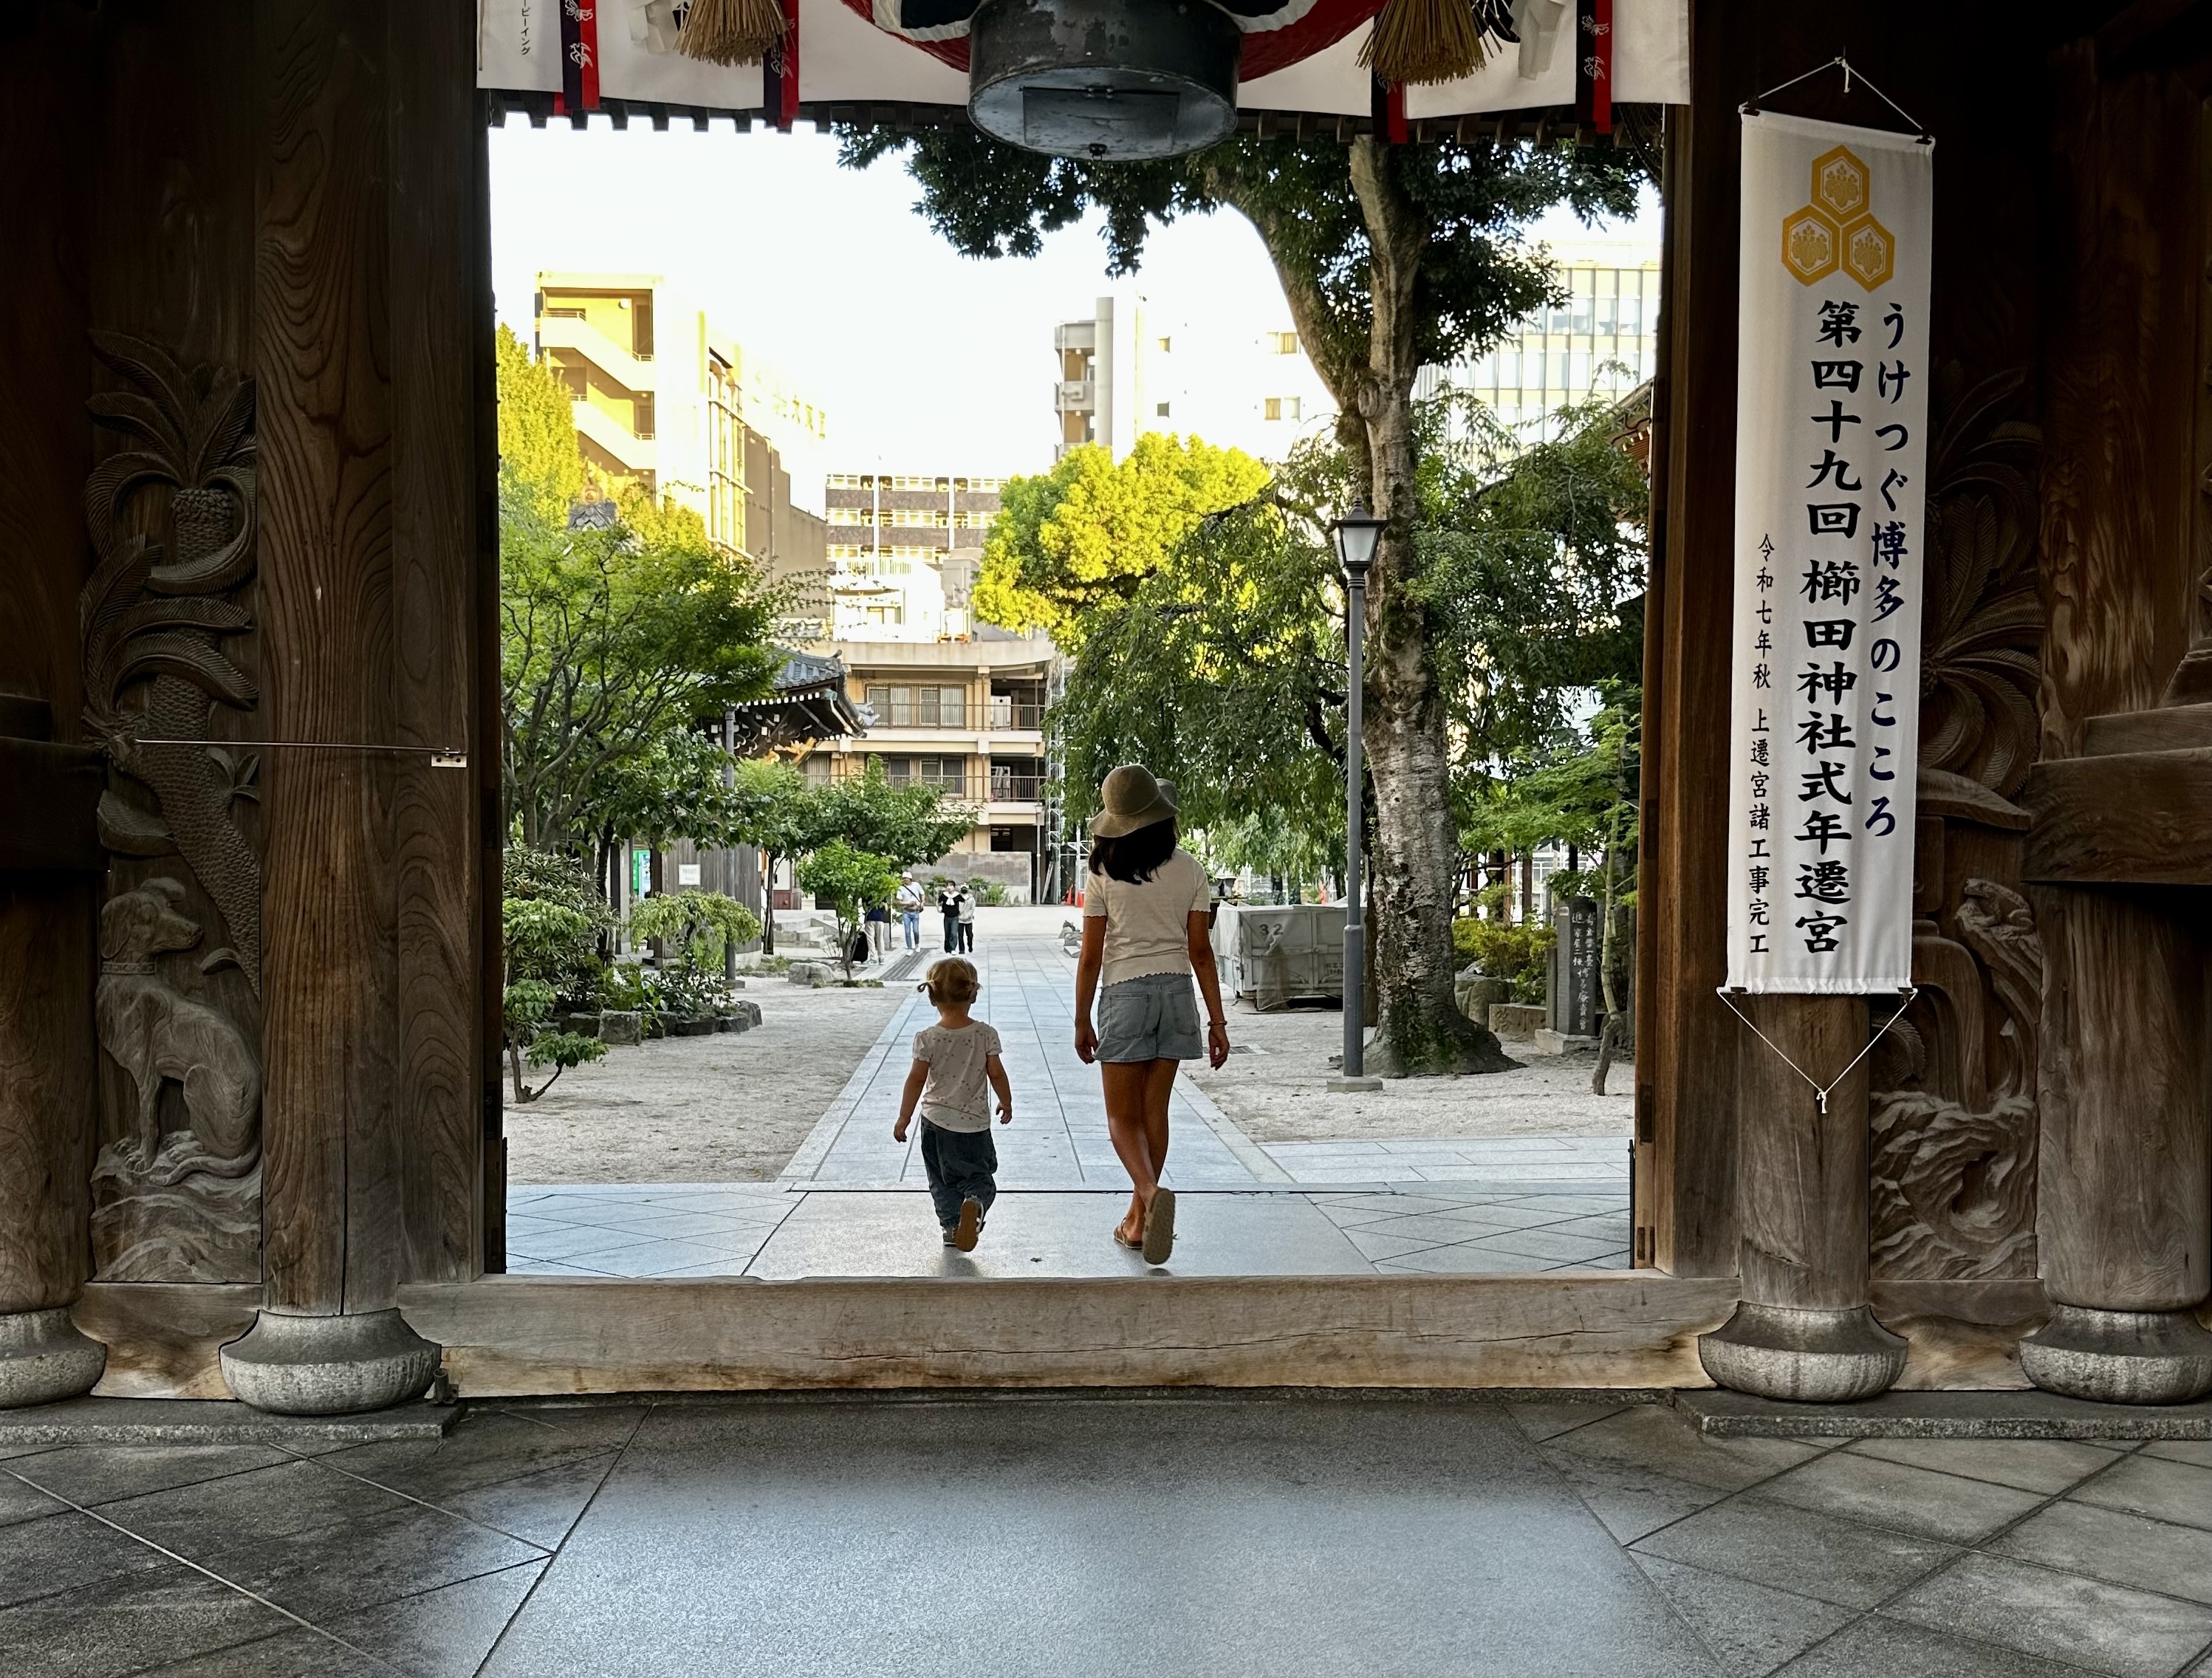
{"x":1300,"y":56}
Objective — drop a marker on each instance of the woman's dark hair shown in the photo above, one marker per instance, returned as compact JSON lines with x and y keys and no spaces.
{"x":1135,"y":856}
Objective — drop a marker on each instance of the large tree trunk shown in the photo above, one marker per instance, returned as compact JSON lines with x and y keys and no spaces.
{"x":1421,"y":1029}
{"x":1414,"y":851}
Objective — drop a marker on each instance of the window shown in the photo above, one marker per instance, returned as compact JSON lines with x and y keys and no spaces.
{"x":1161,"y":409}
{"x":1283,"y":407}
{"x":1283,"y":343}
{"x":1272,"y":408}
{"x":1168,"y":344}
{"x":897,"y":705}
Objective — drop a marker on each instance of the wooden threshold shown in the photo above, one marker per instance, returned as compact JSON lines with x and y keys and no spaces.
{"x":508,"y":1336}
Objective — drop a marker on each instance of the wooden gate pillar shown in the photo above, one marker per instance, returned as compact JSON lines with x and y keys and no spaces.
{"x":1803,"y":1329}
{"x":369,"y":252}
{"x":47,"y":872}
{"x":2125,"y":1218}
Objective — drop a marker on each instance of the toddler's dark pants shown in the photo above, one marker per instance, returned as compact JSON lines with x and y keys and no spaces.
{"x":962,"y":1165}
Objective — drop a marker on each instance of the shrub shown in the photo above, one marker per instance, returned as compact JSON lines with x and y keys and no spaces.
{"x":701,"y":925}
{"x":1505,"y":949}
{"x":988,"y":892}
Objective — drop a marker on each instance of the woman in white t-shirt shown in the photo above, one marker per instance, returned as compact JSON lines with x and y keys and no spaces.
{"x":1147,"y":911}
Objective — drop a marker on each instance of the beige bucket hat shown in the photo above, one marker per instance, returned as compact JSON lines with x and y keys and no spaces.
{"x":1131,"y":799}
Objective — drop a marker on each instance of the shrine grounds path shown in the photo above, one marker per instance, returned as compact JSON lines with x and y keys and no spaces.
{"x":1201,"y":1536}
{"x":851,"y":1202}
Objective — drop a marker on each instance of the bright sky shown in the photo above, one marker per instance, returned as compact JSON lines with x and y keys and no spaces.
{"x":927,"y":362}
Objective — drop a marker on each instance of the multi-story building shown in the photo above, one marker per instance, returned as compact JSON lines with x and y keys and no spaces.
{"x":1136,"y":365}
{"x":953,"y":704}
{"x":666,"y":400}
{"x":903,"y":550}
{"x":1603,"y":341}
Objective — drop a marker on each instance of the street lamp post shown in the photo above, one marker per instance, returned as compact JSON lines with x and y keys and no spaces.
{"x":1356,"y":534}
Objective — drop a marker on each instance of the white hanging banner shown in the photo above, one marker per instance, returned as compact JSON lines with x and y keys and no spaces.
{"x":1831,"y":410}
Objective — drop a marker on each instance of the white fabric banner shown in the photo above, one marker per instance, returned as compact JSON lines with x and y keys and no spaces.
{"x":1831,"y":410}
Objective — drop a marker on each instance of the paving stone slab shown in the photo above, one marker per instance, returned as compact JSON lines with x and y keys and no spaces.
{"x":1945,"y":1415}
{"x":148,"y":1421}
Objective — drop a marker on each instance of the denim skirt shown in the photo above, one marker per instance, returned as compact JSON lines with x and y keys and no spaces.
{"x":1151,"y":1018}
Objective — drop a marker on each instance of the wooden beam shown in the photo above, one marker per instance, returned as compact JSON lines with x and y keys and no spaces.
{"x":2136,"y":817}
{"x":511,"y":1335}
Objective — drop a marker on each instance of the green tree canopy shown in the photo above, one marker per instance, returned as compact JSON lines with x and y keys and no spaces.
{"x":616,"y":640}
{"x":537,"y":452}
{"x":1221,"y":668}
{"x":1085,"y":534}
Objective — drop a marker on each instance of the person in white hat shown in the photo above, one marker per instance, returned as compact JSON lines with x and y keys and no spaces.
{"x":1147,"y":911}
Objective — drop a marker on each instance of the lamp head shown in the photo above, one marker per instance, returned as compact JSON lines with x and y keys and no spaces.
{"x":1356,"y":534}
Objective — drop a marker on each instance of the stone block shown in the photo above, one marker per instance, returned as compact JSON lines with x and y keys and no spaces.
{"x":702,"y":1027}
{"x":1515,"y":1022}
{"x":1477,"y":992}
{"x":741,"y":1016}
{"x":618,"y":1028}
{"x":812,"y":974}
{"x":1549,"y":1041}
{"x":584,"y":1025}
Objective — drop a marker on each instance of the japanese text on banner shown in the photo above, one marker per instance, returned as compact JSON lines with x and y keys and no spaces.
{"x":1831,"y":417}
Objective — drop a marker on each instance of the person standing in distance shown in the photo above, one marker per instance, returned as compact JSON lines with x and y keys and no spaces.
{"x":968,"y":918}
{"x":909,"y":908}
{"x":1147,"y":916}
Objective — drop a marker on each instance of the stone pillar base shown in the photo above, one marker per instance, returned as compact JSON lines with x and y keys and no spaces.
{"x":45,"y":1357}
{"x":2120,"y":1357}
{"x":329,"y":1366}
{"x":1813,"y":1356}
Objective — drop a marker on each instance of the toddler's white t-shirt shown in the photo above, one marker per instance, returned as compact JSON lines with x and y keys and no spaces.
{"x":957,"y":1095}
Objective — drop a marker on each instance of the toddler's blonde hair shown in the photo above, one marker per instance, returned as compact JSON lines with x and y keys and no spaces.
{"x":952,"y":981}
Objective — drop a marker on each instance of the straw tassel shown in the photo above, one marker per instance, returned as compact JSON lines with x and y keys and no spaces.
{"x":1418,"y":43}
{"x":732,"y":31}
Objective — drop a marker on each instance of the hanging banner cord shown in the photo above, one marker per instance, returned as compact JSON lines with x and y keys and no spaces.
{"x":1750,"y":109}
{"x":1905,"y":993}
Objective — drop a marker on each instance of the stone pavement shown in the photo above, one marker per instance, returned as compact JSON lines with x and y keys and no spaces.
{"x":1418,"y":1536}
{"x":852,"y":1201}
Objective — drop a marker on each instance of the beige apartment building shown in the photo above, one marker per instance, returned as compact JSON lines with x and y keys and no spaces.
{"x":665,"y":399}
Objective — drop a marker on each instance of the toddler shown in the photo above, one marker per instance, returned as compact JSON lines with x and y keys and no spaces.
{"x":952,"y":1061}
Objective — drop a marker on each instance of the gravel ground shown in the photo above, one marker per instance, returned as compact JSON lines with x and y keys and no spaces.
{"x":731,"y":1108}
{"x":1277,"y":1093}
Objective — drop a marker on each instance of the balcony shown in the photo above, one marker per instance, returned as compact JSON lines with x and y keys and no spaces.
{"x":1013,"y":714}
{"x":970,"y":786}
{"x":633,"y":371}
{"x":1075,"y":396}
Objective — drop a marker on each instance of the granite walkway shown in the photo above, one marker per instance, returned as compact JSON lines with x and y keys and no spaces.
{"x":852,"y":1201}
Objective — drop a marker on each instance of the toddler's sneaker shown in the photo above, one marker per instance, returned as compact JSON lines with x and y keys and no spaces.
{"x":963,"y":1235}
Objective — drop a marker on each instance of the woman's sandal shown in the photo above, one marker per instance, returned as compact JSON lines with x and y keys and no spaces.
{"x":1159,"y":1226}
{"x":1123,"y":1240}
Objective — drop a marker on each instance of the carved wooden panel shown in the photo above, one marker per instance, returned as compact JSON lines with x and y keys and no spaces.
{"x":170,"y":519}
{"x":1951,"y":1168}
